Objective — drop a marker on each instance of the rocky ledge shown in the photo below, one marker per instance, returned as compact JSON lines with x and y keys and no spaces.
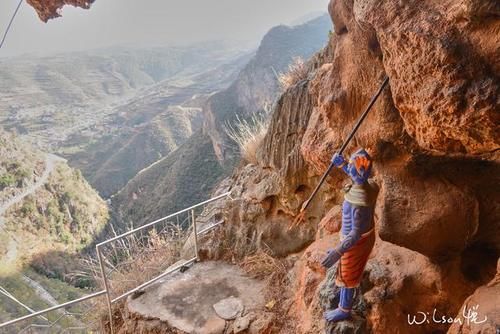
{"x":209,"y":298}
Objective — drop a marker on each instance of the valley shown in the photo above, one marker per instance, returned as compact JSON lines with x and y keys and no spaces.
{"x":145,"y":128}
{"x":121,"y":137}
{"x":190,"y":174}
{"x":82,"y":106}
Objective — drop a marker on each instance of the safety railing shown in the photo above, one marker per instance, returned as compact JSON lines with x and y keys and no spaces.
{"x":50,"y":309}
{"x":82,"y":320}
{"x":104,"y":264}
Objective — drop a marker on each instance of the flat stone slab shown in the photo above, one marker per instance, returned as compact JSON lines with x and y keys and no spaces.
{"x":229,"y":308}
{"x":186,"y":301}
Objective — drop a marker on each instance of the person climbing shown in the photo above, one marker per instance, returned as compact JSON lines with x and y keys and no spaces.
{"x":357,"y":231}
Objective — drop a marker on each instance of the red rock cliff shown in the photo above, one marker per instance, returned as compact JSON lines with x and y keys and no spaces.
{"x":49,"y":9}
{"x":434,"y":137}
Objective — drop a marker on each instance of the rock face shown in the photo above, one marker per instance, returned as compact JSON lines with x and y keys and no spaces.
{"x":434,"y":138}
{"x":408,"y":218}
{"x":49,"y":9}
{"x":441,"y":64}
{"x":448,"y":103}
{"x":480,"y":312}
{"x":257,"y":86}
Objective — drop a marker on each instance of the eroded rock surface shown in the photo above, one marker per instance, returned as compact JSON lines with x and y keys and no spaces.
{"x":480,"y":312}
{"x":434,"y":137}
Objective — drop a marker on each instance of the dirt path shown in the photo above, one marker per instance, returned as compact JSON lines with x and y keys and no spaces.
{"x":50,"y":163}
{"x":49,"y":299}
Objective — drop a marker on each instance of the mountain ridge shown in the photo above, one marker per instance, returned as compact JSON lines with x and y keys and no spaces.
{"x":254,"y":87}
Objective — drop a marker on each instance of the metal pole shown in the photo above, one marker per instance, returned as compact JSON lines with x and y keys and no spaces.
{"x":102,"y":268}
{"x":121,"y":236}
{"x":53,"y":308}
{"x":106,"y":287}
{"x":347,"y":141}
{"x":195,"y":231}
{"x":151,"y":281}
{"x":10,"y":296}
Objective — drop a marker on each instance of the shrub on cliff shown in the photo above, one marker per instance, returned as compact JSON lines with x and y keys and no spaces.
{"x":6,"y":180}
{"x":297,"y":71}
{"x":248,"y":135}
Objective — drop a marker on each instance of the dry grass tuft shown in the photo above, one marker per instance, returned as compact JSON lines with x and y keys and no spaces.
{"x":134,"y":260}
{"x":248,"y":135}
{"x":261,"y":265}
{"x":264,"y":266}
{"x":137,"y":260}
{"x":297,"y":71}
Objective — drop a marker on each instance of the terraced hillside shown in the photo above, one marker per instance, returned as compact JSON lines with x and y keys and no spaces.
{"x":100,"y":108}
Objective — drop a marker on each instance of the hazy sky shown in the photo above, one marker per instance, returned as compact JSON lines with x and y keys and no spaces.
{"x":148,"y":22}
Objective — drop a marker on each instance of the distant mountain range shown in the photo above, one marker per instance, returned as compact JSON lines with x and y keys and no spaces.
{"x":190,"y":173}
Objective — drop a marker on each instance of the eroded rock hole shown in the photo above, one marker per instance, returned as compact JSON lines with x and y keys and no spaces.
{"x":341,"y":30}
{"x":374,"y":47}
{"x":478,"y":263}
{"x":386,"y":150}
{"x":301,"y":190}
{"x":269,"y":203}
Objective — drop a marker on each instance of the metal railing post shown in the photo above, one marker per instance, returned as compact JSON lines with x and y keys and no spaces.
{"x":195,"y":232}
{"x":106,"y":287}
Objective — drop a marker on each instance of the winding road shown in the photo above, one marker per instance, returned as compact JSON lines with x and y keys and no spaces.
{"x":50,"y":163}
